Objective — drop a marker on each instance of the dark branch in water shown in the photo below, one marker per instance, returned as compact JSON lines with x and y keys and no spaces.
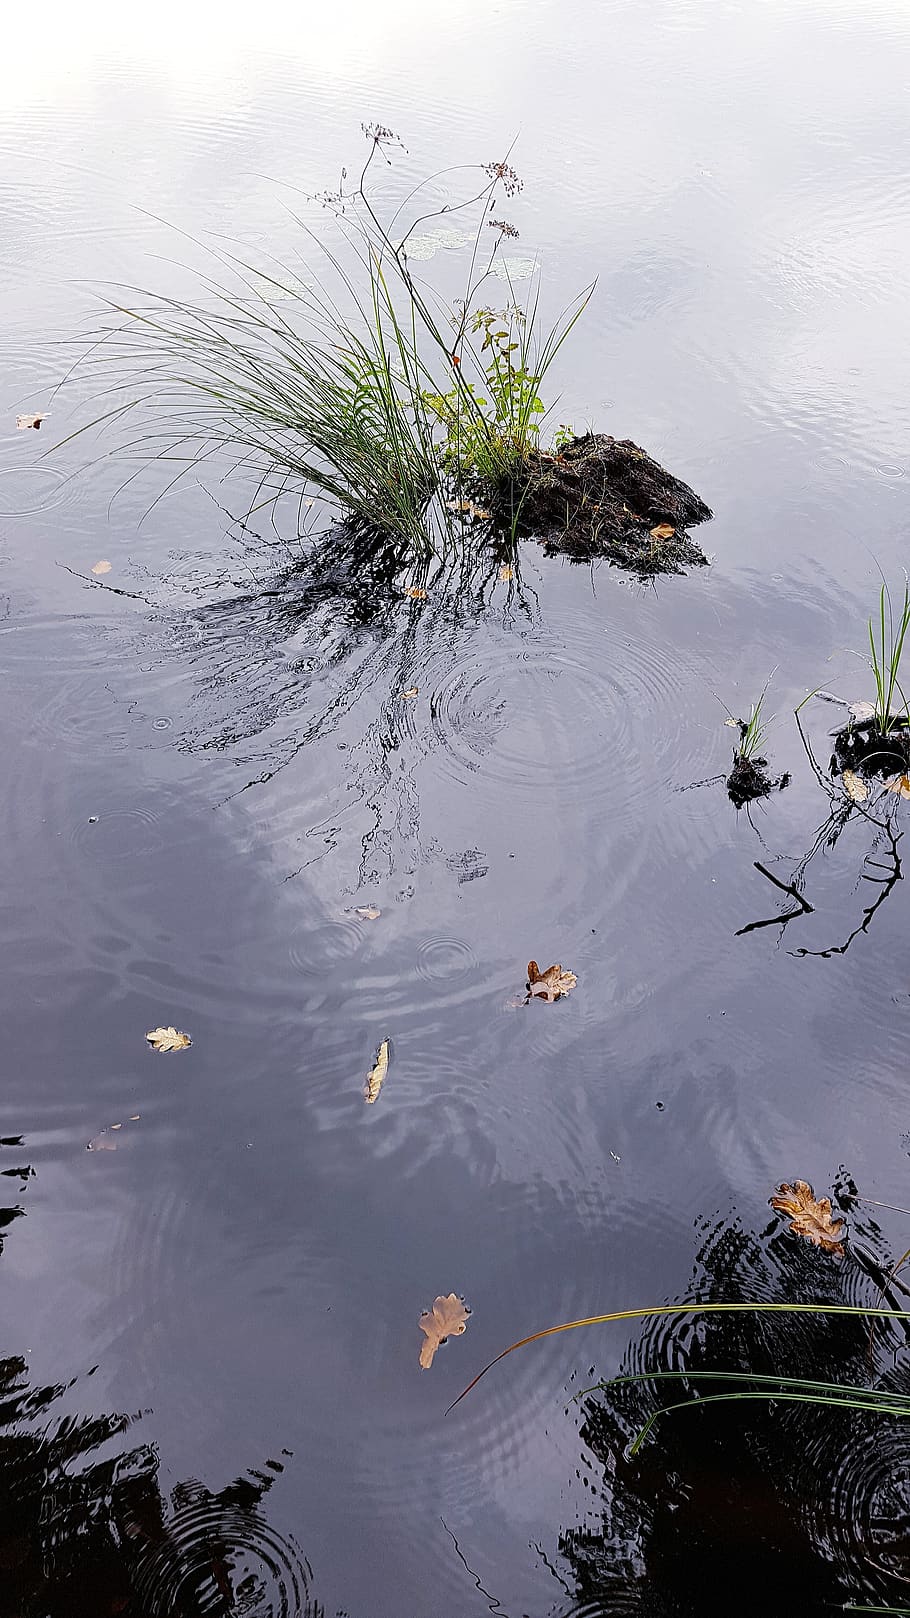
{"x":805,"y":908}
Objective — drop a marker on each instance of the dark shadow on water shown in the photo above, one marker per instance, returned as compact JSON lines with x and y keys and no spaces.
{"x":753,"y":1507}
{"x":86,"y":1531}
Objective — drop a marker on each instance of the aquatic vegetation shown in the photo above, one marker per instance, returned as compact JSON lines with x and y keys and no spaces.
{"x":364,"y":385}
{"x":749,"y":778}
{"x":887,"y":651}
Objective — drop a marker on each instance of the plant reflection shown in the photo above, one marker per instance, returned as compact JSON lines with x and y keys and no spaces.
{"x":86,"y":1532}
{"x":752,"y":1507}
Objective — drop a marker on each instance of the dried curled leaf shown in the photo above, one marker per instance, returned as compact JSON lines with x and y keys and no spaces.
{"x":407,"y":695}
{"x":810,"y":1217}
{"x":168,"y":1039}
{"x":30,"y":421}
{"x":368,"y":912}
{"x":854,"y":786}
{"x":664,"y":530}
{"x":376,"y":1076}
{"x":101,"y":567}
{"x":551,"y":984}
{"x":416,"y":592}
{"x":476,"y":513}
{"x":899,"y":783}
{"x":447,"y":1318}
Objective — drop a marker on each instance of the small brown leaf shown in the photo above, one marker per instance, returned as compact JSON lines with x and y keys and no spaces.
{"x":30,"y":421}
{"x":854,"y":786}
{"x":447,"y":1318}
{"x":168,"y":1039}
{"x":368,"y":912}
{"x":551,"y":984}
{"x":664,"y":530}
{"x":416,"y":593}
{"x":808,"y":1217}
{"x":411,"y":692}
{"x":476,"y":513}
{"x":899,"y":783}
{"x":101,"y":567}
{"x":376,"y":1076}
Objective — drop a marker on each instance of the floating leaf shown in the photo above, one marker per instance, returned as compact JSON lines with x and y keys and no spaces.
{"x":505,"y":573}
{"x":377,"y":1073}
{"x":447,"y":1318}
{"x":551,"y":984}
{"x":861,"y":710}
{"x":899,"y":783}
{"x":664,"y":530}
{"x":731,"y":723}
{"x":30,"y":421}
{"x":368,"y":912}
{"x":854,"y":786}
{"x":416,"y":593}
{"x":168,"y":1039}
{"x":411,"y":692}
{"x":477,"y":513}
{"x":101,"y":567}
{"x":808,"y":1217}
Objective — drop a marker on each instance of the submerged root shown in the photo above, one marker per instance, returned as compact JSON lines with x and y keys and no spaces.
{"x":605,"y":497}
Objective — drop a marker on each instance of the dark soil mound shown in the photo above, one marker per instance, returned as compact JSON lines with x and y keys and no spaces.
{"x":605,"y":497}
{"x":749,"y":779}
{"x":864,"y":749}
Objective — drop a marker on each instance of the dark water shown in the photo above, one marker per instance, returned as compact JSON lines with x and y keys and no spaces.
{"x":210,"y":1398}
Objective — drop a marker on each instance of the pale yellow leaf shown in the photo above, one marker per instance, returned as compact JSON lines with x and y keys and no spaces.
{"x":899,"y":783}
{"x":854,"y":786}
{"x":664,"y":530}
{"x":368,"y":912}
{"x":376,"y":1076}
{"x":477,"y":513}
{"x":101,"y":567}
{"x":30,"y":421}
{"x":551,"y":984}
{"x":447,"y":1318}
{"x":505,"y":573}
{"x":168,"y":1039}
{"x":808,"y":1217}
{"x":411,"y":692}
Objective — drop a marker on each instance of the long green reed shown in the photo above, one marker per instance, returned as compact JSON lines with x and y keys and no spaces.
{"x":655,"y":1310}
{"x":887,"y":651}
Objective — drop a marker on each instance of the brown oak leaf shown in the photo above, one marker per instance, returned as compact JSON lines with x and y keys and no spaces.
{"x":447,"y":1318}
{"x":549,"y":985}
{"x":810,"y":1217}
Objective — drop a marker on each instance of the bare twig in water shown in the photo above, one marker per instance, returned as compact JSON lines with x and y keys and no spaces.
{"x":805,"y":908}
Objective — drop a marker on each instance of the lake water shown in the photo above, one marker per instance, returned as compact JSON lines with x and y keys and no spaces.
{"x":212,"y":1401}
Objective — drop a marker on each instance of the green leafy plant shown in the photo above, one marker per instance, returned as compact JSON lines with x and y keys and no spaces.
{"x":339,"y":382}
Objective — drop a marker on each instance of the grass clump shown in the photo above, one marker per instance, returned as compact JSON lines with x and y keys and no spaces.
{"x":360,"y":383}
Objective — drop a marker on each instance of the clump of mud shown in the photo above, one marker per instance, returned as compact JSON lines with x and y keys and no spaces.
{"x":749,"y":779}
{"x":868,"y":751}
{"x":605,"y":497}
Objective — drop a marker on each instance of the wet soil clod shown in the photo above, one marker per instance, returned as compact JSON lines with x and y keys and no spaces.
{"x":605,"y":497}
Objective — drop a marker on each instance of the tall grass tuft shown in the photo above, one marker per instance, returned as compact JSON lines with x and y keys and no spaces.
{"x":359,"y":383}
{"x":887,"y":651}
